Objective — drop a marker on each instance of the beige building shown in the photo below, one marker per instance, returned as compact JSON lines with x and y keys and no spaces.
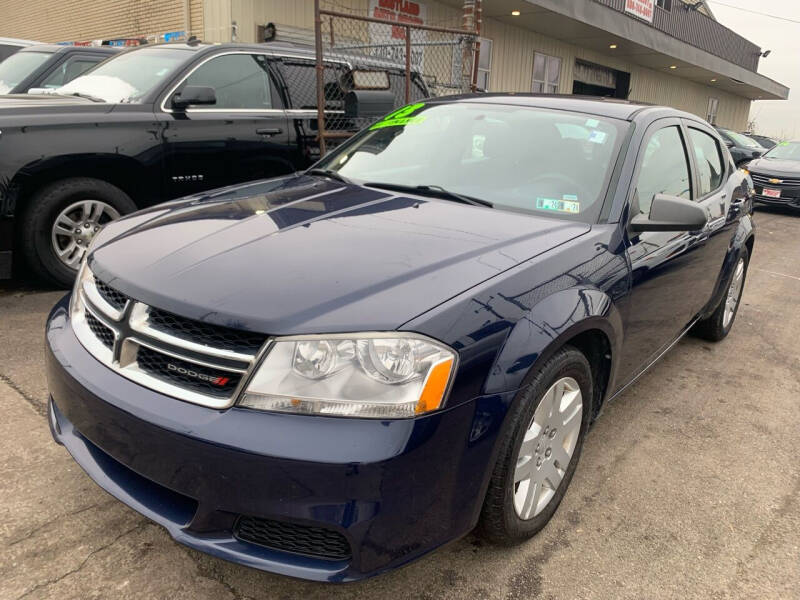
{"x":658,"y":51}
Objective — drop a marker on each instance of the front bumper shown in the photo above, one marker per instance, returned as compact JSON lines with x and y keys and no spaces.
{"x":394,"y":489}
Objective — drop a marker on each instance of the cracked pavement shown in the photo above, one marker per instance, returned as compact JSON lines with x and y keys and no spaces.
{"x":689,"y":484}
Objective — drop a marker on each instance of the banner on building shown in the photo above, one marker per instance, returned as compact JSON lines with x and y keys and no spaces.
{"x":643,"y":9}
{"x":389,"y":41}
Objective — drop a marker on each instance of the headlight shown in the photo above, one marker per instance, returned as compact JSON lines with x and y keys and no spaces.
{"x":381,"y":375}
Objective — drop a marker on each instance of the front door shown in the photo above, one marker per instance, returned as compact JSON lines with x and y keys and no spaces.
{"x":662,"y":295}
{"x":242,"y":137}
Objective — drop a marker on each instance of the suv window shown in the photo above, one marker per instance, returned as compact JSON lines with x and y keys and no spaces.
{"x":709,"y":161}
{"x":69,"y":70}
{"x":665,"y":168}
{"x":239,"y":80}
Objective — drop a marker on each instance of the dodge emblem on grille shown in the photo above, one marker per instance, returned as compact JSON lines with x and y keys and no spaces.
{"x":195,"y":375}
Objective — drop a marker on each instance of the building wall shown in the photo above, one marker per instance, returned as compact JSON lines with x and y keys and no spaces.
{"x":79,"y":20}
{"x":512,"y":70}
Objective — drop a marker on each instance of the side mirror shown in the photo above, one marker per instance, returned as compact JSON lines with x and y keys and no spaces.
{"x":670,"y":213}
{"x":194,"y":95}
{"x":729,"y":143}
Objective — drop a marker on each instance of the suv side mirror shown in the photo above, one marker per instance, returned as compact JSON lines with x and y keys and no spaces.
{"x":670,"y":213}
{"x":194,"y":95}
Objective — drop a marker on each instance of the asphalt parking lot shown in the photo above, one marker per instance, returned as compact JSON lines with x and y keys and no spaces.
{"x":689,"y":484}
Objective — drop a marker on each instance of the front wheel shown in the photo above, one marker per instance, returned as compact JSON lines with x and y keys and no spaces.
{"x":60,"y":222}
{"x":549,"y":420}
{"x":717,"y":326}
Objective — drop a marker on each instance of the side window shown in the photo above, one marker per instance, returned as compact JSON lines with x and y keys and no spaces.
{"x":665,"y":168}
{"x":301,"y":79}
{"x":69,"y":70}
{"x":239,"y":81}
{"x":709,"y":161}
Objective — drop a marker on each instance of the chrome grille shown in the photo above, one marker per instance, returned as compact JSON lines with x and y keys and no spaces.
{"x":197,"y":362}
{"x":113,"y":297}
{"x":764,"y":181}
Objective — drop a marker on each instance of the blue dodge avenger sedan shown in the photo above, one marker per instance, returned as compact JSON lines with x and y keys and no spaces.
{"x":330,"y":374}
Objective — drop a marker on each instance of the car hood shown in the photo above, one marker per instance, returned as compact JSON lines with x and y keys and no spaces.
{"x":37,"y":100}
{"x":775,"y":166}
{"x":307,"y":254}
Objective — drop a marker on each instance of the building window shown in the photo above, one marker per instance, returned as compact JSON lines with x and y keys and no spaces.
{"x":546,"y":74}
{"x":665,"y":4}
{"x":484,"y":64}
{"x":713,"y":106}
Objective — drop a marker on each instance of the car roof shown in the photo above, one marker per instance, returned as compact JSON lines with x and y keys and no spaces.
{"x":63,"y":48}
{"x":301,"y":50}
{"x":604,"y":107}
{"x":6,"y":41}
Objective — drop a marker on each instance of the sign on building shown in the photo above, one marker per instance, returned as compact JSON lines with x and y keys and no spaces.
{"x":643,"y":9}
{"x":389,"y":41}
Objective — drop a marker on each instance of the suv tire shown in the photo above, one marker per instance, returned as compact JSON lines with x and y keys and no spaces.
{"x":45,"y":207}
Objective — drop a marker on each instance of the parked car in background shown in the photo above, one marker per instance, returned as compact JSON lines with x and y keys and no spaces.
{"x":49,"y":66}
{"x":9,"y":46}
{"x":765,"y":141}
{"x":330,"y":374}
{"x":776,"y":175}
{"x":151,"y":124}
{"x":742,"y":148}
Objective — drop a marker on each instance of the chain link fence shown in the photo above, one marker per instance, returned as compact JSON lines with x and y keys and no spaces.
{"x":369,"y":66}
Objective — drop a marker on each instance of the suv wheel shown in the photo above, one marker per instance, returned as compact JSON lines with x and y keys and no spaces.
{"x":60,"y":221}
{"x":548,"y":422}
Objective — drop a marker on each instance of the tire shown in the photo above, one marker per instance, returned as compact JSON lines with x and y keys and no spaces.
{"x":717,"y":326}
{"x":500,"y":521}
{"x":37,"y":238}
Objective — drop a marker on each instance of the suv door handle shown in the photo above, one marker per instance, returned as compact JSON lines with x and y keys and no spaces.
{"x":269,"y":131}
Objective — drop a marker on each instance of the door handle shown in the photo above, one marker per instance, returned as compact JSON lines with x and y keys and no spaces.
{"x":269,"y":131}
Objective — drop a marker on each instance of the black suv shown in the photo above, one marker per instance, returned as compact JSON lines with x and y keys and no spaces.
{"x":155,"y":123}
{"x":49,"y":66}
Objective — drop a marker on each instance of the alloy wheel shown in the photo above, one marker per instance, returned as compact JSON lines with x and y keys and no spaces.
{"x":734,"y":293}
{"x":75,"y":227}
{"x":547,"y":447}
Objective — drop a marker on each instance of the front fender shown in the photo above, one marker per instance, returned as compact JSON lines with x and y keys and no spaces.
{"x":547,"y":327}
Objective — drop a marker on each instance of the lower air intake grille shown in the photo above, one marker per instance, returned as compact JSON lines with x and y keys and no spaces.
{"x":205,"y":380}
{"x":291,"y":537}
{"x":101,"y":332}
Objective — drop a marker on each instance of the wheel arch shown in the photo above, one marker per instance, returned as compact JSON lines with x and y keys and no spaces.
{"x":585,"y":318}
{"x":126,"y":173}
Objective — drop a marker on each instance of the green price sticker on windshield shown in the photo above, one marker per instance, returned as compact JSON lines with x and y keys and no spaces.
{"x":401,"y":117}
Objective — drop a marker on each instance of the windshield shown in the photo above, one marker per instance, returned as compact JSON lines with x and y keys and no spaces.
{"x":740,"y":139}
{"x":127,"y":77}
{"x":785,"y":151}
{"x":518,"y":158}
{"x":18,"y":66}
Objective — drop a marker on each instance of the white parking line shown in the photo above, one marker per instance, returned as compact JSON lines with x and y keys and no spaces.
{"x":776,"y":273}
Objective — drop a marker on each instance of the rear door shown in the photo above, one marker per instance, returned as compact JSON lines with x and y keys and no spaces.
{"x":710,"y":245}
{"x":243,"y":137}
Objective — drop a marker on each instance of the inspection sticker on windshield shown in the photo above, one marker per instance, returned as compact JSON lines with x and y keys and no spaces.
{"x":597,"y":137}
{"x":401,"y":117}
{"x":566,"y":205}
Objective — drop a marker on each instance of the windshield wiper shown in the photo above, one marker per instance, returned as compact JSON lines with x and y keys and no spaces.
{"x":432,"y":190}
{"x":87,"y":96}
{"x":330,"y":173}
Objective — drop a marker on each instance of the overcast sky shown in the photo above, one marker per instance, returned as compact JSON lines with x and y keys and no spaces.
{"x":779,"y":118}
